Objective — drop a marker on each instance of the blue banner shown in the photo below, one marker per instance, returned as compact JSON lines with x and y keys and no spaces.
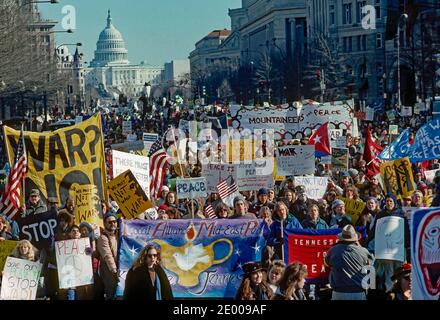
{"x":427,"y":143}
{"x":398,"y":149}
{"x":202,"y":258}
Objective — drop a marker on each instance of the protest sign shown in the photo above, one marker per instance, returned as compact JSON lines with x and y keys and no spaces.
{"x":425,"y":239}
{"x":391,"y":116}
{"x":20,"y":279}
{"x":191,"y":188}
{"x":216,"y":173}
{"x":74,"y":264}
{"x":255,"y":175}
{"x":289,"y":122}
{"x":137,"y":148}
{"x":369,"y":114}
{"x":430,"y":175}
{"x":406,"y":111}
{"x":240,"y":150}
{"x":315,"y":186}
{"x":58,"y":159}
{"x":336,"y":133}
{"x":88,"y":207}
{"x":426,"y":144}
{"x":202,"y":258}
{"x":149,"y":139}
{"x":39,"y":229}
{"x":126,"y":127}
{"x":131,"y":137}
{"x":353,"y":208}
{"x":129,"y":195}
{"x":139,"y":166}
{"x":393,"y":129}
{"x":340,"y":143}
{"x":295,"y":160}
{"x":397,"y":177}
{"x":275,"y":175}
{"x":389,"y":239}
{"x":340,"y":159}
{"x":6,"y":248}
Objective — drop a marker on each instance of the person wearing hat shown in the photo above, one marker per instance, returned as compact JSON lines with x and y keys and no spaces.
{"x":402,"y":283}
{"x":301,"y":204}
{"x":417,"y":199}
{"x":339,"y":218}
{"x":241,"y":209}
{"x":163,"y":195}
{"x":107,"y":246}
{"x":254,"y":285}
{"x":385,"y":268}
{"x":262,"y":201}
{"x":52,"y":204}
{"x":35,"y":205}
{"x":347,"y":260}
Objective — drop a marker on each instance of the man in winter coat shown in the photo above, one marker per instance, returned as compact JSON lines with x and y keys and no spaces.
{"x":35,"y":205}
{"x":107,"y":246}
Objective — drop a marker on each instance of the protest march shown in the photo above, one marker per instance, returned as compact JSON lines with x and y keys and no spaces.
{"x":228,"y":202}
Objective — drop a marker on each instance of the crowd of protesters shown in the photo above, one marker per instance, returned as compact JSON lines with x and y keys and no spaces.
{"x":286,"y":204}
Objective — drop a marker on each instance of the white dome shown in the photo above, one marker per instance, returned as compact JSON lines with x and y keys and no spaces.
{"x":110,"y":48}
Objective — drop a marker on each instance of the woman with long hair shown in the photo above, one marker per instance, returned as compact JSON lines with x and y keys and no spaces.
{"x":171,"y":200}
{"x":26,"y":251}
{"x":275,"y":274}
{"x":292,"y":283}
{"x":254,"y":285}
{"x":146,"y":279}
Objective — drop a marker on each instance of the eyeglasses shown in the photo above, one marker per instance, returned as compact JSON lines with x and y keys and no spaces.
{"x":112,"y":222}
{"x":152,"y":255}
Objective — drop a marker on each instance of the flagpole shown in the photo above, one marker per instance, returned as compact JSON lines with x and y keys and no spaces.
{"x":177,"y":150}
{"x":24,"y":180}
{"x":282,"y":238}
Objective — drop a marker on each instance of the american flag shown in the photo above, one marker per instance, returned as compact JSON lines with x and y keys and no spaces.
{"x":228,"y":192}
{"x":159,"y":160}
{"x":10,"y":199}
{"x":210,"y":212}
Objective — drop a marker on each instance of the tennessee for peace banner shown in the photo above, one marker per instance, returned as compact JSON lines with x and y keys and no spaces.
{"x":202,"y":258}
{"x":310,"y":247}
{"x":58,"y":159}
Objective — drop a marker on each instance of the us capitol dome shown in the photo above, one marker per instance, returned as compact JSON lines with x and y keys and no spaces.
{"x":111,"y":73}
{"x":110,"y":47}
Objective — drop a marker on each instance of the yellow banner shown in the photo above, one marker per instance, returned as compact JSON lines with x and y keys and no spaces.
{"x":276,"y":177}
{"x":353,"y":208}
{"x":129,"y":195}
{"x":88,"y":206}
{"x":398,"y":178}
{"x":240,"y":150}
{"x":57,"y":160}
{"x":6,"y":248}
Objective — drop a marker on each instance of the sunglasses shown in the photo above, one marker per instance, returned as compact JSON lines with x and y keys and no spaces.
{"x":152,"y":255}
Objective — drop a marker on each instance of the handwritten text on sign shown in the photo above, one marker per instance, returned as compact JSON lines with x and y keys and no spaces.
{"x":315,"y":186}
{"x":191,"y":188}
{"x":20,"y":279}
{"x":73,"y":263}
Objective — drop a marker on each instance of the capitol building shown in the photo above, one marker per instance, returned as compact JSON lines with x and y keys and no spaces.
{"x":111,"y":71}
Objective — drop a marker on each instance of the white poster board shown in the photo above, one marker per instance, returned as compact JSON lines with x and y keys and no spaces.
{"x":191,"y":188}
{"x":215,"y":173}
{"x":389,"y":239}
{"x":430,"y":175}
{"x":406,"y":111}
{"x":139,"y":165}
{"x":126,"y":127}
{"x":20,"y":279}
{"x":369,"y":114}
{"x":74,"y":265}
{"x":295,"y":160}
{"x":255,"y":175}
{"x":315,"y":186}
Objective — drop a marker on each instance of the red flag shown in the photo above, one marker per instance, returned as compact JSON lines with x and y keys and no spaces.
{"x":371,"y":151}
{"x":321,"y":140}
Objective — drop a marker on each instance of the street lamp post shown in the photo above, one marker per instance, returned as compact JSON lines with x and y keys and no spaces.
{"x":403,"y":17}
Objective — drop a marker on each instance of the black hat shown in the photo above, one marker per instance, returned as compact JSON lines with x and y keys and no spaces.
{"x":401,"y":272}
{"x":250,"y":267}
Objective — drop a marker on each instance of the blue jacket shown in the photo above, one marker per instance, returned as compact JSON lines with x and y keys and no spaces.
{"x":15,"y":230}
{"x":307,"y":223}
